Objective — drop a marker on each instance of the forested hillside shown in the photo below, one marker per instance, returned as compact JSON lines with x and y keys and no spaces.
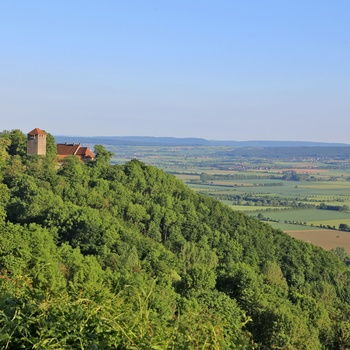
{"x":100,"y":256}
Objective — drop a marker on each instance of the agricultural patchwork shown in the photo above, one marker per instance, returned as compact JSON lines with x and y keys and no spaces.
{"x":290,"y":188}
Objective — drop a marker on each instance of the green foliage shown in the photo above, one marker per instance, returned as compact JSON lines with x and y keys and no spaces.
{"x":17,"y":142}
{"x":99,"y":256}
{"x":4,"y":155}
{"x":344,"y":227}
{"x":102,"y":157}
{"x":199,"y":264}
{"x":51,"y":150}
{"x":325,"y":206}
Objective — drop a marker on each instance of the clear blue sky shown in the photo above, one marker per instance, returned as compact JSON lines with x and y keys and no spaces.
{"x":229,"y":70}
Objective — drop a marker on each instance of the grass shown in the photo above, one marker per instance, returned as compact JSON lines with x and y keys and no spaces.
{"x":331,"y":222}
{"x":290,"y":227}
{"x":308,"y":215}
{"x":249,"y":208}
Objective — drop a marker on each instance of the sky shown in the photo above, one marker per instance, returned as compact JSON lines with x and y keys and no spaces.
{"x":220,"y":70}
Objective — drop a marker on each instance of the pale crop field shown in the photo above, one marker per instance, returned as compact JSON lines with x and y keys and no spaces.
{"x":327,"y":239}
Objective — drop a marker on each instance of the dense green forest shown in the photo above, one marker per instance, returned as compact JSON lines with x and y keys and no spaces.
{"x":100,"y":256}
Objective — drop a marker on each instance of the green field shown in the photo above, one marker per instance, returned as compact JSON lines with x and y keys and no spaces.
{"x":311,"y":217}
{"x":289,"y":227}
{"x":308,"y":215}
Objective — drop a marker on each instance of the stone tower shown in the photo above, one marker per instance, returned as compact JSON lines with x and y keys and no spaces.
{"x":36,"y":142}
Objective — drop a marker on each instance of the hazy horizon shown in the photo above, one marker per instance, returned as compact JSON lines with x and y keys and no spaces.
{"x":229,"y":70}
{"x":133,"y":137}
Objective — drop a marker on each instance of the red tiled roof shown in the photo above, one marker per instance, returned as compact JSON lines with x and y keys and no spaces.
{"x":67,"y":149}
{"x":85,"y":152}
{"x":37,"y":131}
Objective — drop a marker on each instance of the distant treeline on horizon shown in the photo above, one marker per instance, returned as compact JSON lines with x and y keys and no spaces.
{"x":174,"y":141}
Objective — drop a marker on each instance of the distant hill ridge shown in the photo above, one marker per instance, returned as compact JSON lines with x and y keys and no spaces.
{"x":192,"y":141}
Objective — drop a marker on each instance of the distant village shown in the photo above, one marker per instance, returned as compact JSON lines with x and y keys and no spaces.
{"x":36,"y":145}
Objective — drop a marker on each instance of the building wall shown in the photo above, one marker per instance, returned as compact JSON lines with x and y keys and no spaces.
{"x":36,"y":144}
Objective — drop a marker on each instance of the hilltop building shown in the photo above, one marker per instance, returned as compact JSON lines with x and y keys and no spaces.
{"x":36,"y":145}
{"x":36,"y":142}
{"x":74,"y":149}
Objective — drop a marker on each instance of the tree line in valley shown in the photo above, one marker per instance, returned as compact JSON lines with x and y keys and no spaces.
{"x":286,"y":175}
{"x":101,"y":256}
{"x":291,"y":153}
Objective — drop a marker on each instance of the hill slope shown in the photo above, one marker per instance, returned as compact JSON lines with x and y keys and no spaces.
{"x":119,"y":257}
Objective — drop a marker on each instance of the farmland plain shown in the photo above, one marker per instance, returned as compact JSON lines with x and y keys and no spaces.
{"x":295,"y":190}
